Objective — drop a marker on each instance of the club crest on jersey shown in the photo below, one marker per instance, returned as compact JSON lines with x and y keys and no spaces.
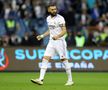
{"x":51,"y":26}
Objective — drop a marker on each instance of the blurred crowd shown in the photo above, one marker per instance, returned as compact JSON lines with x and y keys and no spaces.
{"x":22,"y":20}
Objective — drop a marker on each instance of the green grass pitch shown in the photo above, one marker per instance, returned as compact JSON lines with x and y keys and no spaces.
{"x":53,"y":81}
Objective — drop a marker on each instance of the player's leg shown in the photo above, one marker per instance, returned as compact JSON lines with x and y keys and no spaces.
{"x":44,"y":67}
{"x":47,"y":56}
{"x":62,"y":51}
{"x":68,"y":72}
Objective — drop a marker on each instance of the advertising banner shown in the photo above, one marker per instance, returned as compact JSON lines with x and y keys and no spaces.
{"x":29,"y":59}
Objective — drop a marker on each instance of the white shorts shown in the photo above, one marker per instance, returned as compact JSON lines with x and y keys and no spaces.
{"x":56,"y":47}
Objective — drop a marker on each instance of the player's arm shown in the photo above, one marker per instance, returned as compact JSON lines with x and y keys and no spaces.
{"x":39,"y":37}
{"x":63,"y":32}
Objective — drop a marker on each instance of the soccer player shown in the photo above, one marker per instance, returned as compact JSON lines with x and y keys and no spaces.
{"x":57,"y":44}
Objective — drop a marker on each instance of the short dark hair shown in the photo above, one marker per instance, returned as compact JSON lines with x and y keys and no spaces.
{"x":51,"y":4}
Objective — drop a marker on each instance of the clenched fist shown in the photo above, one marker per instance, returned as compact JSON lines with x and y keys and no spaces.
{"x":39,"y":37}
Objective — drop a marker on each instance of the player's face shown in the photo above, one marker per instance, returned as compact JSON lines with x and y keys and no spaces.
{"x":52,"y":10}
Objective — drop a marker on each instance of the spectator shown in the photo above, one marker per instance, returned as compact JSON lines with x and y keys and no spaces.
{"x":1,"y":9}
{"x":91,"y":4}
{"x":80,"y":40}
{"x":40,"y":27}
{"x":11,"y":27}
{"x":29,"y":16}
{"x":95,"y":15}
{"x":39,"y":8}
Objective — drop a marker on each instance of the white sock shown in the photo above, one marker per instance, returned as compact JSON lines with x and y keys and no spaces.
{"x":43,"y":69}
{"x":68,"y":70}
{"x":42,"y":74}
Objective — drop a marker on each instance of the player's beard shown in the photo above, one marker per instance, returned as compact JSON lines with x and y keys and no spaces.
{"x":53,"y":14}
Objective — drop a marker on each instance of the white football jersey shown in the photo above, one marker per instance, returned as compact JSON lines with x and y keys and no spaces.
{"x":54,"y":25}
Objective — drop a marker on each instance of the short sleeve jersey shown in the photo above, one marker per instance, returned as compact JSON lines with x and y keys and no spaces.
{"x":54,"y":24}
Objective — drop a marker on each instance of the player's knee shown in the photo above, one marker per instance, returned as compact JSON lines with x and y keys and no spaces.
{"x":45,"y":62}
{"x":64,"y":59}
{"x":47,"y":58}
{"x":66,"y":63}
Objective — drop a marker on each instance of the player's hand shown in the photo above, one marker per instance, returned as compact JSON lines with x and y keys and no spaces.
{"x":55,"y":37}
{"x":39,"y":37}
